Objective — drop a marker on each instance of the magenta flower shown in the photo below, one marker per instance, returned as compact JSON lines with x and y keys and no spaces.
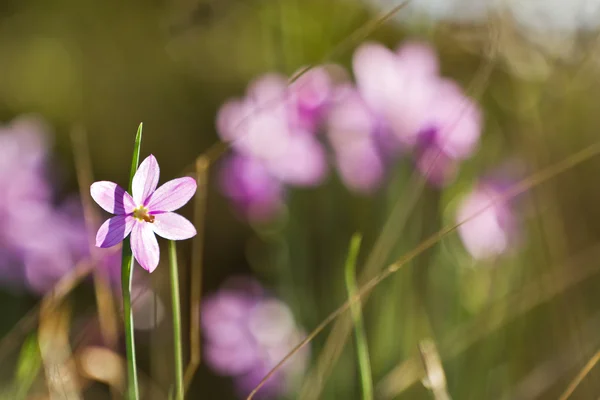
{"x":353,"y":133}
{"x":398,"y":87}
{"x":488,"y":227}
{"x":450,"y":134}
{"x":276,"y":125}
{"x":247,"y":332}
{"x":424,"y":111}
{"x":40,"y":246}
{"x":255,"y":194}
{"x":147,"y":212}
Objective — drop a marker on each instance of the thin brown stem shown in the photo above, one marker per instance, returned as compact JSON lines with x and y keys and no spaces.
{"x":580,"y":376}
{"x":202,"y":165}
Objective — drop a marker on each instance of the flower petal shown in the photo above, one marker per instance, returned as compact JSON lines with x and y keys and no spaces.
{"x":173,"y":226}
{"x":172,"y":195}
{"x":112,"y":197}
{"x":145,"y":179}
{"x":114,"y":230}
{"x":303,"y":164}
{"x":378,"y":76}
{"x":144,"y":245}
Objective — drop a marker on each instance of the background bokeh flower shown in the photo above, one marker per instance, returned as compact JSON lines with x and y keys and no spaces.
{"x":510,"y":80}
{"x":247,"y":332}
{"x":488,"y":228}
{"x":41,"y":241}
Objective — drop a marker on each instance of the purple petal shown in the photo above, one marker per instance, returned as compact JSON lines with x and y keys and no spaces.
{"x":229,"y":119}
{"x":112,"y":197}
{"x":234,"y":359}
{"x":419,"y":58}
{"x":435,"y":165}
{"x":312,"y":89}
{"x":114,"y":230}
{"x":269,"y":88}
{"x":144,"y":246}
{"x":255,"y":193}
{"x":360,"y":167}
{"x":145,"y":179}
{"x":349,"y":120}
{"x":303,"y":164}
{"x":377,"y":75}
{"x":457,"y":120}
{"x":173,"y":226}
{"x":481,"y":230}
{"x":172,"y":195}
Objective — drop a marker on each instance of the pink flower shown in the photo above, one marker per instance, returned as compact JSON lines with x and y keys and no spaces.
{"x":423,"y":110}
{"x":311,"y":94}
{"x":456,"y":120}
{"x":490,"y":227}
{"x":450,"y":134}
{"x":352,"y":131}
{"x":247,"y":332}
{"x":255,"y":193}
{"x":398,"y":87}
{"x":147,"y":212}
{"x":276,"y":125}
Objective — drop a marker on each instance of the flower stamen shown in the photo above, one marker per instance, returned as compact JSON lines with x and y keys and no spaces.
{"x":141,"y":213}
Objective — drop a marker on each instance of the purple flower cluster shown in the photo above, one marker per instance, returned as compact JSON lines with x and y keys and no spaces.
{"x":399,"y":105}
{"x":247,"y":332}
{"x":273,"y":131}
{"x":39,"y":241}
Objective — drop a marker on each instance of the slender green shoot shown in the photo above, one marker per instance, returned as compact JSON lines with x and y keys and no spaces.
{"x":362,"y":350}
{"x":177,"y":350}
{"x":28,"y":367}
{"x":127,"y":262}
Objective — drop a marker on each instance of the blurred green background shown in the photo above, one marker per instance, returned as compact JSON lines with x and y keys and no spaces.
{"x":521,"y":328}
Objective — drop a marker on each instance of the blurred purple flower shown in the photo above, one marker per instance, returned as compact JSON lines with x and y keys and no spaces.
{"x":311,"y":93}
{"x":490,"y":227}
{"x":41,"y":245}
{"x":247,"y":333}
{"x":353,"y":133}
{"x":455,"y":120}
{"x":398,"y":87}
{"x":276,"y":125}
{"x":255,"y":193}
{"x":23,"y":147}
{"x":52,"y":251}
{"x":434,"y":164}
{"x":424,"y":111}
{"x":451,"y":134}
{"x":146,"y":213}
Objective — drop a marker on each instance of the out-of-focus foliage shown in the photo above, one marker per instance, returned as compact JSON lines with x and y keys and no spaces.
{"x":518,"y":326}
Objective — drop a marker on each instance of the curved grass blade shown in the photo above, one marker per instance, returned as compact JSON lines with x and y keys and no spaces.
{"x":362,"y":349}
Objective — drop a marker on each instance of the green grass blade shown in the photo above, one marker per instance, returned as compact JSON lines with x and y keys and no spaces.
{"x":127,"y":263}
{"x":179,"y":390}
{"x":362,"y":349}
{"x":135,"y":160}
{"x":28,"y":367}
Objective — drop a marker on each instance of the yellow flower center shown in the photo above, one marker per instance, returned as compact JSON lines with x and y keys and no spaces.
{"x":141,"y":213}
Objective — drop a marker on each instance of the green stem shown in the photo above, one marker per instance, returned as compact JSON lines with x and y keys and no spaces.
{"x":127,"y":263}
{"x":126,"y":278}
{"x":179,"y":390}
{"x":362,"y":350}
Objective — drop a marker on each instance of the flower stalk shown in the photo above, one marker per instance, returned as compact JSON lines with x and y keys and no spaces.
{"x":133,"y":392}
{"x":177,"y":350}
